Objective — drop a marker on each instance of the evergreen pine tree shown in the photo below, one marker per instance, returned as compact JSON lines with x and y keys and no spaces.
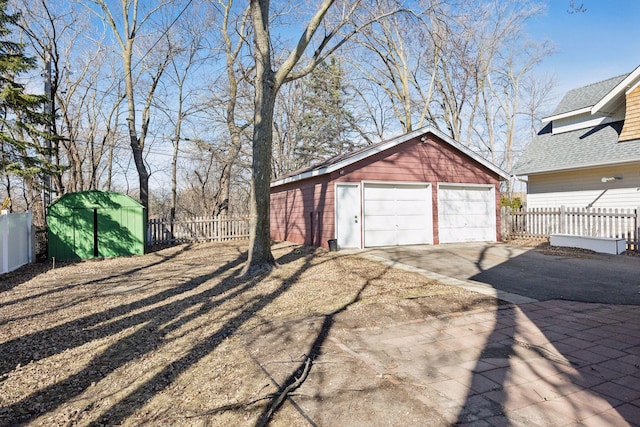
{"x":22,"y":120}
{"x":325,"y":128}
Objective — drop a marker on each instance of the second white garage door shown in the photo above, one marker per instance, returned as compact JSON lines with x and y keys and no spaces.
{"x":466,"y":213}
{"x":397,"y":214}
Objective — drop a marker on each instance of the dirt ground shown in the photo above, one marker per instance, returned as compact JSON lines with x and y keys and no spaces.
{"x":177,"y":337}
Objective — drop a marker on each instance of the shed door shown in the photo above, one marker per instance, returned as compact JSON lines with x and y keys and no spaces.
{"x":397,"y":214}
{"x":466,"y":213}
{"x":119,"y":233}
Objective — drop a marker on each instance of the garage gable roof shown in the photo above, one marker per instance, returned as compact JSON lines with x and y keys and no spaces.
{"x":343,"y":160}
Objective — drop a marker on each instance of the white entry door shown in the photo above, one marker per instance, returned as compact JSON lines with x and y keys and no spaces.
{"x":466,"y":213}
{"x":348,"y":215}
{"x":397,"y":214}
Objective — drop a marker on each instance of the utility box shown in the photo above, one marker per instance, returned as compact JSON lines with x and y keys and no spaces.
{"x":95,"y":224}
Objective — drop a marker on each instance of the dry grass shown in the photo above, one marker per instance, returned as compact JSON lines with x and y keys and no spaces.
{"x":161,"y":339}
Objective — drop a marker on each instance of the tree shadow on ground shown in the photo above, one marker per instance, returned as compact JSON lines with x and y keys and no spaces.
{"x":300,"y":373}
{"x":60,"y":289}
{"x":152,"y":323}
{"x":21,"y":275}
{"x":554,"y":362}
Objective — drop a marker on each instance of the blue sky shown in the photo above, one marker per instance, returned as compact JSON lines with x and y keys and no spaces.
{"x":590,"y":46}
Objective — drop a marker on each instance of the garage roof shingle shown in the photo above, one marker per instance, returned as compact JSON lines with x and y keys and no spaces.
{"x":343,"y":160}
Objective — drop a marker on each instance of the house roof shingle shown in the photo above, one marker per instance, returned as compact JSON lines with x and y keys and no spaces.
{"x":587,"y":96}
{"x":596,"y":146}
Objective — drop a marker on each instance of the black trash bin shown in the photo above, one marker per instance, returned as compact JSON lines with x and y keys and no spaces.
{"x":333,"y":245}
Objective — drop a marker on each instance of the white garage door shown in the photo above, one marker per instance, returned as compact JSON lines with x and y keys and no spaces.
{"x":397,"y":214}
{"x":466,"y":214}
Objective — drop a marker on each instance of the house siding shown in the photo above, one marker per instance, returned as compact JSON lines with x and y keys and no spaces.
{"x":584,"y":187}
{"x":304,"y":211}
{"x":631,"y":129}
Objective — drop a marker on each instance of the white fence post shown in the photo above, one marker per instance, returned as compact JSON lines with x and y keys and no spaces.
{"x":4,"y":235}
{"x":31,"y":233}
{"x":602,"y":222}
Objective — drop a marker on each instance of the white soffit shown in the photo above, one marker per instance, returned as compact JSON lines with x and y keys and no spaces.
{"x":566,"y":115}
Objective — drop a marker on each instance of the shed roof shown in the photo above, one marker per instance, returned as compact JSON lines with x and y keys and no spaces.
{"x":582,"y":148}
{"x":96,"y":199}
{"x":343,"y":160}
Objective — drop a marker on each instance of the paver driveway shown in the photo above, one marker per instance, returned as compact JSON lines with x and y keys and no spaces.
{"x":566,"y":352}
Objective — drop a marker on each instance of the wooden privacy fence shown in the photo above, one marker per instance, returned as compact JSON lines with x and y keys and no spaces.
{"x":198,"y":229}
{"x":594,"y":222}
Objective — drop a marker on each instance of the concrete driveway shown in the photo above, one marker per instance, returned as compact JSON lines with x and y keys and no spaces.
{"x":511,"y":271}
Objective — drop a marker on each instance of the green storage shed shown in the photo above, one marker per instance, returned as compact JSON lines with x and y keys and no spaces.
{"x":95,"y":224}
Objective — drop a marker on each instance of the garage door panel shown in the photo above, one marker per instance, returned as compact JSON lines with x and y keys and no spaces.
{"x":412,"y":207}
{"x":380,"y":237}
{"x":413,"y":237}
{"x":380,"y":222}
{"x":410,"y":194}
{"x":453,"y":197}
{"x":466,"y":214}
{"x":411,"y":222}
{"x":479,"y":196}
{"x":477,"y":209}
{"x":377,"y":192}
{"x":397,"y":214}
{"x":378,"y":207}
{"x":404,"y":222}
{"x":452,"y":208}
{"x":477,"y":221}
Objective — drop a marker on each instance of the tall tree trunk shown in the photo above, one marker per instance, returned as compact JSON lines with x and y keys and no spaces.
{"x":267,"y":83}
{"x":259,"y":240}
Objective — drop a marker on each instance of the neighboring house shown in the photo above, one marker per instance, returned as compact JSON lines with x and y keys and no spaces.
{"x":588,"y":154}
{"x":419,"y":188}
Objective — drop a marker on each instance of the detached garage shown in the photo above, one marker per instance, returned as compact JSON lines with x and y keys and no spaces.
{"x":419,"y":188}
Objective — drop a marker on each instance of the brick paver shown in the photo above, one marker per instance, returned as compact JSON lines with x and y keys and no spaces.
{"x":540,"y":363}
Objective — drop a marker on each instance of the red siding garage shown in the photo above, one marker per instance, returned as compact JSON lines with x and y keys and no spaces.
{"x":419,"y":188}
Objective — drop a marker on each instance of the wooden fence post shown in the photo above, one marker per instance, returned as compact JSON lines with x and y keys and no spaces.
{"x":504,"y":222}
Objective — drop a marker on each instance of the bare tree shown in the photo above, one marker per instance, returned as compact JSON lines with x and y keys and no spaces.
{"x":268,"y":81}
{"x":237,"y":75}
{"x":127,"y":29}
{"x":403,"y":65}
{"x":180,"y":100}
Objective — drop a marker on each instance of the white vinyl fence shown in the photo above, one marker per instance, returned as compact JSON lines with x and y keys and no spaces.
{"x":198,"y":229}
{"x":595,"y":222}
{"x":16,"y":241}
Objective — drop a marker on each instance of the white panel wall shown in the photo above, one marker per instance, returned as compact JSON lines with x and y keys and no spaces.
{"x":16,"y":241}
